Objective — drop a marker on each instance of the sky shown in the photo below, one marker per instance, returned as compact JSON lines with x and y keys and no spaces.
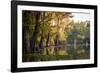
{"x":81,"y":16}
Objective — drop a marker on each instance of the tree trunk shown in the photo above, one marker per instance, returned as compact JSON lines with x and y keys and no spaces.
{"x":34,"y":38}
{"x":56,"y":44}
{"x":47,"y":41}
{"x":86,"y":44}
{"x":41,"y":44}
{"x":28,"y":42}
{"x":57,"y":36}
{"x":75,"y":43}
